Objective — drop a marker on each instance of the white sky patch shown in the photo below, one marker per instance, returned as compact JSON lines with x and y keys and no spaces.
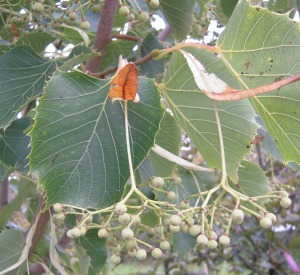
{"x":67,"y":50}
{"x":213,"y":27}
{"x":158,"y":23}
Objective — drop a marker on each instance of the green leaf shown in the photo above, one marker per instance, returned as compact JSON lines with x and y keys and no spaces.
{"x":22,"y":77}
{"x":14,"y":145}
{"x":95,"y":248}
{"x":26,"y":189}
{"x":194,"y":112}
{"x":11,"y":247}
{"x":179,"y":15}
{"x":228,"y":6}
{"x":252,"y":180}
{"x":183,"y":243}
{"x":168,"y":137}
{"x":151,"y":68}
{"x":78,"y":55}
{"x":5,"y":170}
{"x":260,"y":52}
{"x":78,"y":139}
{"x":38,"y":41}
{"x":84,"y":260}
{"x":114,"y":50}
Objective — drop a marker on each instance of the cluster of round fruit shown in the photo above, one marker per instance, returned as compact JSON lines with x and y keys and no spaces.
{"x":143,"y":16}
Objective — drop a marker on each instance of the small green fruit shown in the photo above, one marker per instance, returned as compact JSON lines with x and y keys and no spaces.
{"x":73,"y":16}
{"x":265,"y":223}
{"x":40,"y":28}
{"x":57,"y":207}
{"x":60,"y":216}
{"x":213,"y":235}
{"x":136,"y":220}
{"x":130,"y":17}
{"x":184,"y":227}
{"x":76,"y":232}
{"x":132,"y":252}
{"x":184,"y":205}
{"x":285,"y":202}
{"x":158,"y":229}
{"x":89,"y":220}
{"x":96,"y":8}
{"x":177,"y":180}
{"x":124,"y":11}
{"x":174,"y":228}
{"x":202,"y":239}
{"x":237,"y":216}
{"x":171,"y":195}
{"x":195,"y":230}
{"x":156,"y":253}
{"x":14,"y":19}
{"x":124,"y":219}
{"x":154,"y":4}
{"x":115,"y":259}
{"x":83,"y":230}
{"x":212,"y":244}
{"x":167,"y":221}
{"x":25,"y":32}
{"x":120,"y":209}
{"x":224,"y":240}
{"x":144,"y":16}
{"x":69,"y":234}
{"x":131,"y":244}
{"x":283,"y":194}
{"x":272,"y":217}
{"x":85,"y":25}
{"x":141,"y":254}
{"x":116,"y":248}
{"x":102,"y":233}
{"x":127,"y":234}
{"x":8,"y":26}
{"x":65,"y":4}
{"x":175,"y":220}
{"x":157,"y":182}
{"x":165,"y":245}
{"x":38,"y":7}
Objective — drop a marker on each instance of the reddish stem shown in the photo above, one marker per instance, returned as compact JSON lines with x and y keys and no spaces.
{"x":103,"y":34}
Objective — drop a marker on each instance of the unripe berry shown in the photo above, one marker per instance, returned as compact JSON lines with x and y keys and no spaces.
{"x":38,"y":7}
{"x":171,"y":195}
{"x":124,"y":219}
{"x":283,"y":194}
{"x":130,"y":17}
{"x":184,"y":227}
{"x":184,"y":205}
{"x":195,"y":230}
{"x":8,"y":26}
{"x":83,"y":230}
{"x":175,"y":220}
{"x":177,"y":180}
{"x":144,"y":16}
{"x":124,"y":11}
{"x":14,"y":19}
{"x":85,"y":25}
{"x":120,"y":209}
{"x":174,"y":228}
{"x":157,"y":182}
{"x":132,"y":253}
{"x":65,"y":4}
{"x":265,"y":223}
{"x":136,"y":220}
{"x":40,"y":28}
{"x":285,"y":202}
{"x":96,"y":8}
{"x":25,"y":32}
{"x":89,"y":220}
{"x":224,"y":240}
{"x":69,"y":234}
{"x":57,"y":207}
{"x":156,"y":253}
{"x":60,"y":216}
{"x":127,"y":234}
{"x":272,"y":217}
{"x":141,"y":254}
{"x":237,"y":216}
{"x":102,"y":233}
{"x":115,"y":259}
{"x":165,"y":245}
{"x":131,"y":244}
{"x":57,"y":25}
{"x":212,"y":244}
{"x":73,"y":16}
{"x":167,"y":221}
{"x":76,"y":232}
{"x":213,"y":235}
{"x":154,"y":4}
{"x":202,"y":239}
{"x":116,"y":248}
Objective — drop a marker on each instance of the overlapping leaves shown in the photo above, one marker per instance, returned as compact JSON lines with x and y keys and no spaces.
{"x":78,"y":140}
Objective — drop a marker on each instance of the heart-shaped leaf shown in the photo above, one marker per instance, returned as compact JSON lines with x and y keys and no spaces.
{"x":78,"y":140}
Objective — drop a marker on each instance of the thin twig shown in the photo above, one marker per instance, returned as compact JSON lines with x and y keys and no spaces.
{"x":127,"y":37}
{"x":4,"y":193}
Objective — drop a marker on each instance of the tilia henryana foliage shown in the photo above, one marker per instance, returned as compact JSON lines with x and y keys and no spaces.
{"x":110,"y":126}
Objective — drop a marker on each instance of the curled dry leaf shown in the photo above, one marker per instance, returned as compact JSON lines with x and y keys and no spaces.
{"x":125,"y":82}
